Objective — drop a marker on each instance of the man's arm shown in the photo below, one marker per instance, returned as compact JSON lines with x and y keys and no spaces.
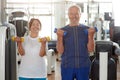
{"x":59,"y":45}
{"x":91,"y":42}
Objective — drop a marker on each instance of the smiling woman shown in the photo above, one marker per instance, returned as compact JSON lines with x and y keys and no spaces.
{"x":33,"y":65}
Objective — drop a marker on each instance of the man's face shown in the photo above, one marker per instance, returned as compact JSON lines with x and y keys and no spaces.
{"x":74,"y":15}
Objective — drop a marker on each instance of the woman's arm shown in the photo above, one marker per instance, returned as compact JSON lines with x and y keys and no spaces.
{"x":19,"y":45}
{"x":43,"y":47}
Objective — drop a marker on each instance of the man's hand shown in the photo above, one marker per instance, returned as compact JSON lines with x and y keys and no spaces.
{"x":91,"y":31}
{"x":60,"y":33}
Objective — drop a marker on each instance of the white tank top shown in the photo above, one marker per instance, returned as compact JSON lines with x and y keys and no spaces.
{"x":32,"y":65}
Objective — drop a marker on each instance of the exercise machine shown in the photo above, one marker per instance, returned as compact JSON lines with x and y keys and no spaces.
{"x":104,"y":66}
{"x":8,"y":53}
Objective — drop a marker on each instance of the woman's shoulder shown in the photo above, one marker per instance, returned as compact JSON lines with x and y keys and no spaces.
{"x":25,"y":37}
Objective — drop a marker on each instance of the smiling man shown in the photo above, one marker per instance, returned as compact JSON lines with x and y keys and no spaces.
{"x":75,"y":47}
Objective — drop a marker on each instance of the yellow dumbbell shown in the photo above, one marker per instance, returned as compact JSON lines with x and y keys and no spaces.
{"x":21,"y":39}
{"x":48,"y":39}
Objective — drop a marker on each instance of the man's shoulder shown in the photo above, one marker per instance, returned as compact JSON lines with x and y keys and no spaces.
{"x":65,"y":27}
{"x":83,"y":25}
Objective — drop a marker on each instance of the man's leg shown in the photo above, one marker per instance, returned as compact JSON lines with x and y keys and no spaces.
{"x":82,"y":73}
{"x":67,"y":74}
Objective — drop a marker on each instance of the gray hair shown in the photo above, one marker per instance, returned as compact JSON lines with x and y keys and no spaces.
{"x":75,"y":6}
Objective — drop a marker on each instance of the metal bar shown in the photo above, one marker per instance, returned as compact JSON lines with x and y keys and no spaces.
{"x":103,"y":67}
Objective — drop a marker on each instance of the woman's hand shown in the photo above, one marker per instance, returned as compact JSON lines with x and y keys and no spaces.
{"x":20,"y":48}
{"x":43,"y":46}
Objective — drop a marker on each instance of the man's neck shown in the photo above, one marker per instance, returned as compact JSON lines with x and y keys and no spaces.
{"x":73,"y":25}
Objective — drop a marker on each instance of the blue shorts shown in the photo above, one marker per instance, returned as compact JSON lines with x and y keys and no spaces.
{"x":22,"y":78}
{"x":75,"y":73}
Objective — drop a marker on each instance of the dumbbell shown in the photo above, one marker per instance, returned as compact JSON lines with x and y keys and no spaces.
{"x":96,"y":30}
{"x":48,"y":39}
{"x":55,"y":30}
{"x":21,"y":39}
{"x":117,"y":51}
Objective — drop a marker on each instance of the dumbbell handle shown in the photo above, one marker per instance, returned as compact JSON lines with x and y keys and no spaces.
{"x":48,"y":39}
{"x":96,"y":30}
{"x":21,"y":39}
{"x":55,"y":30}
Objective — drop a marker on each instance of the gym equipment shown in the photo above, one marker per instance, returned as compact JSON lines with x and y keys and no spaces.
{"x":21,"y":39}
{"x":99,"y":30}
{"x":20,"y":24}
{"x":117,"y":48}
{"x":55,"y":30}
{"x":50,"y":61}
{"x":8,"y":53}
{"x":115,"y":36}
{"x":103,"y":66}
{"x":2,"y":52}
{"x":48,"y":39}
{"x":52,"y":45}
{"x":96,"y":30}
{"x":117,"y":52}
{"x":107,"y":16}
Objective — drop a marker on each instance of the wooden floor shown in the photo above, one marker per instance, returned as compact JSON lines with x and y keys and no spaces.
{"x":56,"y":75}
{"x":118,"y":71}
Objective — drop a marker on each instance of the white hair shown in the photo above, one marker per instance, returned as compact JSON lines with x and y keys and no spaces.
{"x":76,"y":6}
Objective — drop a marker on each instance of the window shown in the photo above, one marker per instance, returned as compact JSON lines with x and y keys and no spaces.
{"x":43,"y":10}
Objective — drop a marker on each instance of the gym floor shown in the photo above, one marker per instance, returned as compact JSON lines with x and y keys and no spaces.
{"x":56,"y":75}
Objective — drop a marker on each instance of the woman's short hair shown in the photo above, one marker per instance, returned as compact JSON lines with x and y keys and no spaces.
{"x":32,"y":20}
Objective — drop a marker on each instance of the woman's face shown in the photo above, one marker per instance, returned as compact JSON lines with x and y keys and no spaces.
{"x":35,"y":27}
